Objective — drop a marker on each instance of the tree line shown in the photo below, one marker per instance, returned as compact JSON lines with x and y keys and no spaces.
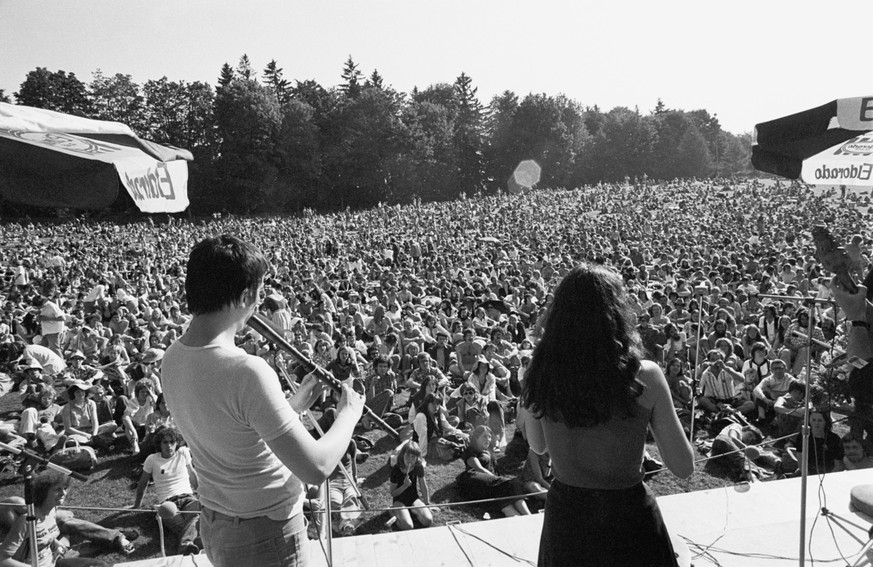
{"x":265,"y":143}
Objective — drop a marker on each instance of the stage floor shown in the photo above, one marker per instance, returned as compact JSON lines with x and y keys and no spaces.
{"x":727,"y":527}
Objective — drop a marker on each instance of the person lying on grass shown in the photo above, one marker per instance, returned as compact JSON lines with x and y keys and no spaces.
{"x":49,"y":491}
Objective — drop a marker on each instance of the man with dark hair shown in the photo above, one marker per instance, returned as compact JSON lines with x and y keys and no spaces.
{"x":380,"y":387}
{"x":790,"y":408}
{"x":467,"y":352}
{"x":441,"y":352}
{"x":175,"y":482}
{"x":250,"y":449}
{"x":855,"y":455}
{"x":736,"y":447}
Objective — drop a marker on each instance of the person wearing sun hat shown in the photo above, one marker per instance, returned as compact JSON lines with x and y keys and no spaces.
{"x":148,"y":367}
{"x":80,"y":415}
{"x":77,"y":370}
{"x":32,"y":377}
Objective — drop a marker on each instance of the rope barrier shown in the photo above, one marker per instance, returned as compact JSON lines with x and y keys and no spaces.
{"x":397,"y":508}
{"x":705,"y":459}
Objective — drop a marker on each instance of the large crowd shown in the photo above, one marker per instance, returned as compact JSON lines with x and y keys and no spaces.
{"x":431,"y":311}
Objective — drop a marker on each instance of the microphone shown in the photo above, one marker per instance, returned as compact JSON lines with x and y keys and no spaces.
{"x":39,"y":459}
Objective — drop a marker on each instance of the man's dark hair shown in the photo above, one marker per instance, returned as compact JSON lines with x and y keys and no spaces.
{"x":169,"y":434}
{"x":220,"y":269}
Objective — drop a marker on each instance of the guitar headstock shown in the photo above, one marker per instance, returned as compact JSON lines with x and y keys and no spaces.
{"x":833,"y":257}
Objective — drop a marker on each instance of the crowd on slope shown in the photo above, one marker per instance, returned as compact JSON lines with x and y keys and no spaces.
{"x":441,"y":300}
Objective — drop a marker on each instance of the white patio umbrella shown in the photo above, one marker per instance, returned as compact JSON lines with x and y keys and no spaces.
{"x":828,"y":145}
{"x":52,"y":159}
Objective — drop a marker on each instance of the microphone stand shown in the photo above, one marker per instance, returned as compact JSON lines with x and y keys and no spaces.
{"x":27,"y":467}
{"x":696,"y":364}
{"x":328,"y":520}
{"x":804,"y":464}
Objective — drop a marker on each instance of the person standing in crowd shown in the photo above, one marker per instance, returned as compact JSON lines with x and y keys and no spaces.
{"x":249,"y":447}
{"x":592,"y":401}
{"x":52,"y":318}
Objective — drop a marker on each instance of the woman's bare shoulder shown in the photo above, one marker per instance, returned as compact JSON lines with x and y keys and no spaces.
{"x":650,"y":373}
{"x":652,"y":378}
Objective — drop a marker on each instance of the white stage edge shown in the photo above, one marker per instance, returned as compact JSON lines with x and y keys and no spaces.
{"x":729,"y":527}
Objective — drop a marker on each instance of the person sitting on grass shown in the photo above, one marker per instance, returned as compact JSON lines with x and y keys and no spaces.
{"x":32,"y":377}
{"x":497,"y":426}
{"x":790,"y":408}
{"x":431,"y":385}
{"x":175,"y":481}
{"x":13,"y":507}
{"x":409,"y":491}
{"x":379,"y":387}
{"x":78,"y":370}
{"x":155,"y":422}
{"x":825,"y":449}
{"x":137,"y":412}
{"x":771,"y":388}
{"x":480,"y":481}
{"x":471,"y":408}
{"x":855,"y":454}
{"x":680,"y":389}
{"x":49,"y":492}
{"x":721,"y":387}
{"x":426,"y":367}
{"x":38,"y":419}
{"x":430,"y":424}
{"x":80,"y":418}
{"x":536,"y":474}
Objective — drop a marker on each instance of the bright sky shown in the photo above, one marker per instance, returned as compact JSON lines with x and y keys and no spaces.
{"x":747,"y":61}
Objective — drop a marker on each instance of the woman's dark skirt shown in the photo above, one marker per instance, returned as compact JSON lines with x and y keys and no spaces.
{"x":585,"y":526}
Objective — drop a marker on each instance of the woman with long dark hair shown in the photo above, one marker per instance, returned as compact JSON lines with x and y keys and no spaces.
{"x":592,"y":400}
{"x":430,"y":424}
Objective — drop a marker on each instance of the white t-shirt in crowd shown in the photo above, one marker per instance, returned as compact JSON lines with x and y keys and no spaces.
{"x":52,"y":363}
{"x":170,"y":475}
{"x":51,"y":309}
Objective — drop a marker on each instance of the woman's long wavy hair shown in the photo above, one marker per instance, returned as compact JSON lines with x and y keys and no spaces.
{"x":583,"y":370}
